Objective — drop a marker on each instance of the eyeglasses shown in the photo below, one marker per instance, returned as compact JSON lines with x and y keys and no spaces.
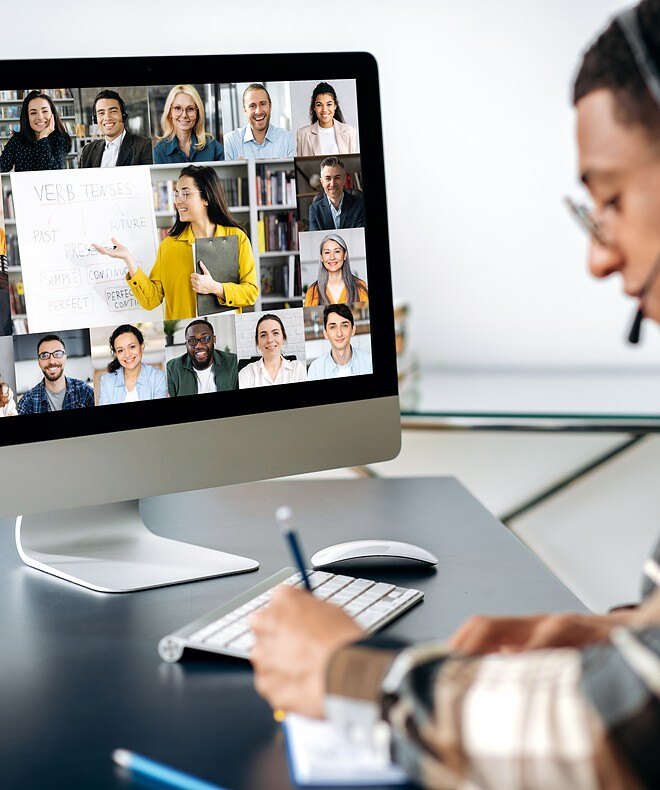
{"x":205,"y":340}
{"x":184,"y":194}
{"x":587,"y":221}
{"x":49,"y":354}
{"x":184,"y":110}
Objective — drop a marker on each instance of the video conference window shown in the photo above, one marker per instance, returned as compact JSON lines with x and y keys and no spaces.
{"x":325,"y":117}
{"x":334,"y":267}
{"x":202,"y":356}
{"x":181,"y":233}
{"x":338,"y":341}
{"x":271,"y":348}
{"x":129,"y":363}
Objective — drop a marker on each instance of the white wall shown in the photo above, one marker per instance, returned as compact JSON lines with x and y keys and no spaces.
{"x":478,"y":134}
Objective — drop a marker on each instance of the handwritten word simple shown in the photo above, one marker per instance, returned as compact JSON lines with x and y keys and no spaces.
{"x":65,"y":278}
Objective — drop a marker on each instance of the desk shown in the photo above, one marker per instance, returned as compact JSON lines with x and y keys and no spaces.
{"x":79,"y":670}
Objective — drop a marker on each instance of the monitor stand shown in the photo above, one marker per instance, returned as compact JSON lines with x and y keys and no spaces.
{"x":108,"y":548}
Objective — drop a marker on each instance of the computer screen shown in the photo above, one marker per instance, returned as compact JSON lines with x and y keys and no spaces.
{"x":195,"y":283}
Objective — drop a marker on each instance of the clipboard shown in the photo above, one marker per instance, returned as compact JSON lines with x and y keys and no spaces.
{"x":220,"y":256}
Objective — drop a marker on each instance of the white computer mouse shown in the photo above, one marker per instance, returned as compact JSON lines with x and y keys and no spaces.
{"x":373,"y":551}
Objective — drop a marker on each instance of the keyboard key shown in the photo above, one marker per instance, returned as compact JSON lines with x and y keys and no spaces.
{"x":244,"y":642}
{"x":371,"y":604}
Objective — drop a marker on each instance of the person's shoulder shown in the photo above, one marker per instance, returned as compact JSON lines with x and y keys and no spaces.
{"x":89,"y":147}
{"x":234,"y":137}
{"x":230,"y":230}
{"x":38,"y":387}
{"x":77,"y":383}
{"x":227,"y":356}
{"x":353,"y":197}
{"x":316,"y":367}
{"x":177,"y":362}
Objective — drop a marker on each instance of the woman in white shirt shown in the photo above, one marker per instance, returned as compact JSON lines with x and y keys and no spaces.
{"x":327,"y":132}
{"x":7,"y":402}
{"x":272,"y":368}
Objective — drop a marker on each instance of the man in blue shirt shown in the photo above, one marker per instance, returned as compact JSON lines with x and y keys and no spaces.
{"x":55,"y":392}
{"x":259,"y":139}
{"x":342,"y":359}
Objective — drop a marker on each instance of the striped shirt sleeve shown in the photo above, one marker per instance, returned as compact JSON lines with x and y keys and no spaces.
{"x":560,"y":718}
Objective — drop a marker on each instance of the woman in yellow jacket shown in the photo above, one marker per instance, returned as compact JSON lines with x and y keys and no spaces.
{"x":202,"y":212}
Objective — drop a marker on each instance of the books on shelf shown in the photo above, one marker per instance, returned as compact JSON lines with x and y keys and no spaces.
{"x":235,"y":189}
{"x":278,"y":232}
{"x":16,"y":297}
{"x":54,"y":93}
{"x":275,"y":187}
{"x":353,"y":181}
{"x":8,"y":201}
{"x":13,"y":257}
{"x":274,"y":278}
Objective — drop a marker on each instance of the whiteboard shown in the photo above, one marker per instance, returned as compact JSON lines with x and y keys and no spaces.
{"x":59,"y":214}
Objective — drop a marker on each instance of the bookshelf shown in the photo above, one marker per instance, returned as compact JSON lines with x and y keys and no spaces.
{"x":277,"y":233}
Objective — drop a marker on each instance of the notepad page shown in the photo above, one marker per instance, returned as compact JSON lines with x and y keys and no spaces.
{"x":321,"y":753}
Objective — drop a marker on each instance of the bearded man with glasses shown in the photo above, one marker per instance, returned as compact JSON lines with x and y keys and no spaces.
{"x":202,"y":368}
{"x":55,"y":392}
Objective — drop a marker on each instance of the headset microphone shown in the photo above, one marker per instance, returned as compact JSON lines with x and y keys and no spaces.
{"x":636,"y":327}
{"x":628,"y":23}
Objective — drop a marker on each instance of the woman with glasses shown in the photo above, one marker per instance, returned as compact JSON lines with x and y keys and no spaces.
{"x":184,"y":135}
{"x":202,"y":213}
{"x":42,"y":141}
{"x":128,"y":378}
{"x":336,"y":283}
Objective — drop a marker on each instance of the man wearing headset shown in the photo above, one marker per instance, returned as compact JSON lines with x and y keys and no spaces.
{"x":118,"y":147}
{"x":548,"y":701}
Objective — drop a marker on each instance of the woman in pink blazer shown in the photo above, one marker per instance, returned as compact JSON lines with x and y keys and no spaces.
{"x":327,"y":133}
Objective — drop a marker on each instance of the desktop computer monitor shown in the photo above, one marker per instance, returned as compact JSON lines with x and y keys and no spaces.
{"x":176,"y":230}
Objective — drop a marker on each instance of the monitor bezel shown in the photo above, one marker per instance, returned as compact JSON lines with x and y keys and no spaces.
{"x":361,"y":66}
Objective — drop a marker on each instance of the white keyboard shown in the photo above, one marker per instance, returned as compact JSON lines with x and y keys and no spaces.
{"x":226,"y":631}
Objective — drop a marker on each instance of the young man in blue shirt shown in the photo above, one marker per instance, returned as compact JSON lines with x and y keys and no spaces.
{"x":342,"y":359}
{"x":259,"y":139}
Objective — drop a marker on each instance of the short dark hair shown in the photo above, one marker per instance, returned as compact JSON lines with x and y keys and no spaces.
{"x":341,"y":309}
{"x":609,"y":64}
{"x":255,"y":86}
{"x":47,"y":339}
{"x":332,"y":161}
{"x":268,"y":317}
{"x":108,"y":94}
{"x":202,"y":321}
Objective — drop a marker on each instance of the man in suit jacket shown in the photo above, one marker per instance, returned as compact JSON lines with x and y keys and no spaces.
{"x":337,"y":208}
{"x":118,"y":147}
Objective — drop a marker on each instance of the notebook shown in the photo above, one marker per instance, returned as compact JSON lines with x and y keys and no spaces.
{"x":220,"y":256}
{"x":320,"y":753}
